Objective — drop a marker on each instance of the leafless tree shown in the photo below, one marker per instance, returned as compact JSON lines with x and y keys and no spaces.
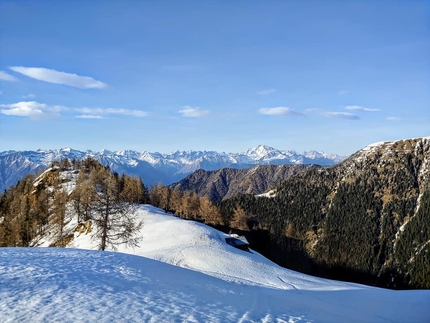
{"x":115,"y":218}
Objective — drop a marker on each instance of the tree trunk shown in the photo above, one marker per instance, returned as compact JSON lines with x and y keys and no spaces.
{"x":105,"y":225}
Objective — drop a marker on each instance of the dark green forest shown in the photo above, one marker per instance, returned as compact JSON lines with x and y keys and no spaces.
{"x":354,"y":222}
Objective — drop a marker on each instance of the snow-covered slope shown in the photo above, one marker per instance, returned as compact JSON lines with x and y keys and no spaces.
{"x":196,"y":246}
{"x":217,"y":283}
{"x":69,"y":285}
{"x":155,"y":167}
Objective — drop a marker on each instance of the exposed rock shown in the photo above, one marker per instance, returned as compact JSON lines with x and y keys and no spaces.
{"x":229,"y":182}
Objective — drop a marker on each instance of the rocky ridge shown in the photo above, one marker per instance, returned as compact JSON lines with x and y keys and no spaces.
{"x":229,"y":182}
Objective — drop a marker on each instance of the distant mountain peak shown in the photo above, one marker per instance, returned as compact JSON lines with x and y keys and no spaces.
{"x":261,"y":150}
{"x":154,"y":167}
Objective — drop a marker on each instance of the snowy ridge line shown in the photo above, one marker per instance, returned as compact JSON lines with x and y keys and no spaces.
{"x":390,"y":142}
{"x":155,"y":167}
{"x":259,"y":153}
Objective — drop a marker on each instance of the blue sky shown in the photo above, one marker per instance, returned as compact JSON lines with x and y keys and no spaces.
{"x":213,"y":75}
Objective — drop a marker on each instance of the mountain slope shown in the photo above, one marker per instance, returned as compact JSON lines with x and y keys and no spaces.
{"x":366,"y":219}
{"x":201,"y":248}
{"x":154,"y":167}
{"x":228,"y":182}
{"x":224,"y":284}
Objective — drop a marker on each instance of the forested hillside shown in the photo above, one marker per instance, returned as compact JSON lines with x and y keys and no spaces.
{"x":365,"y":220}
{"x":84,"y":196}
{"x":84,"y":190}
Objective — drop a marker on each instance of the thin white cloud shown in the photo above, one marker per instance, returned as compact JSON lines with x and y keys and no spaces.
{"x":343,"y":92}
{"x":28,"y":96}
{"x":342,"y":115}
{"x":7,"y":77}
{"x":56,"y":77}
{"x":392,"y":118}
{"x":36,"y":110}
{"x":359,"y":108}
{"x":280,"y":111}
{"x":106,"y":111}
{"x":88,"y":116}
{"x":266,"y":92}
{"x":191,"y":112}
{"x":330,"y":114}
{"x":316,"y":110}
{"x":31,"y":109}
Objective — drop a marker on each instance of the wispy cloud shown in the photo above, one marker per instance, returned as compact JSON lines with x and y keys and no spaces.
{"x":343,"y":92}
{"x":31,"y":109}
{"x":37,"y":110}
{"x":28,"y":96}
{"x":359,"y":108}
{"x":316,"y":110}
{"x":191,"y":112}
{"x":88,"y":116}
{"x":332,"y":114}
{"x":106,"y":111}
{"x":342,"y":115}
{"x":7,"y":77}
{"x":266,"y":92}
{"x":392,"y":118}
{"x":280,"y":111}
{"x":56,"y":77}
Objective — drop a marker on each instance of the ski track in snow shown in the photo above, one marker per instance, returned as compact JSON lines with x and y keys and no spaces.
{"x":217,"y":284}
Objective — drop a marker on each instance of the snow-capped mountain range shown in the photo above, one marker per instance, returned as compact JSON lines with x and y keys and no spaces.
{"x":156,"y":167}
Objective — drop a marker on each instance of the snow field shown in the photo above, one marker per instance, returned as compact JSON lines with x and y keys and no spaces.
{"x":217,"y":283}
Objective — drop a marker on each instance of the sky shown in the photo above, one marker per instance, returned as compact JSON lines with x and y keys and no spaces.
{"x":163,"y":76}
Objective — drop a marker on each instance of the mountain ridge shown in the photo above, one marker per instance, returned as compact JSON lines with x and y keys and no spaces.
{"x":226,"y":182}
{"x":376,"y":203}
{"x":155,"y":167}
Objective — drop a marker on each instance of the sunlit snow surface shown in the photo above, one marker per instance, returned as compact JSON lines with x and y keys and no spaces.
{"x":224,"y":285}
